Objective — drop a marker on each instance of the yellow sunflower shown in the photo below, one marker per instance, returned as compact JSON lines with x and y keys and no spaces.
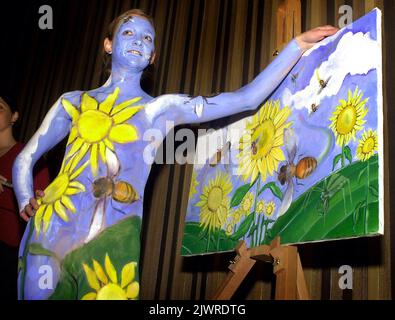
{"x":97,"y":125}
{"x":270,"y":208}
{"x":214,"y":202}
{"x":57,"y":196}
{"x":106,"y":283}
{"x":368,"y":145}
{"x":194,"y":184}
{"x":247,"y":203}
{"x":260,"y":207}
{"x":260,"y":147}
{"x":348,"y":118}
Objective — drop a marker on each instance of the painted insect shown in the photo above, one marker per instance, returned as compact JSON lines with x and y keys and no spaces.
{"x":323,"y":83}
{"x":254,"y":148}
{"x":223,"y":152}
{"x":120,"y":191}
{"x":303,"y":169}
{"x":109,"y":187}
{"x":314,"y":107}
{"x":329,"y":188}
{"x":295,"y":76}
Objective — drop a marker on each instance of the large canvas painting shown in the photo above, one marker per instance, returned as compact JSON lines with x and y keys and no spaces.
{"x":308,"y":164}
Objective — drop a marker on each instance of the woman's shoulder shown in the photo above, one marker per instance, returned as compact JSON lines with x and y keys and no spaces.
{"x":72,"y":96}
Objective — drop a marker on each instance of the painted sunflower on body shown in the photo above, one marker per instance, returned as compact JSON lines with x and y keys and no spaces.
{"x":106,"y":285}
{"x":214,"y":202}
{"x":98,"y":125}
{"x":260,"y":147}
{"x":57,"y":196}
{"x":348,"y":118}
{"x":367,"y":145}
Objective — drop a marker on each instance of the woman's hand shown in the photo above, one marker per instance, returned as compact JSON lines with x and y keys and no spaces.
{"x":308,"y":39}
{"x":31,"y":208}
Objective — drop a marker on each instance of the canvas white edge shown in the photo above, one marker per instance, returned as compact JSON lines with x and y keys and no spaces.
{"x":380,"y":106}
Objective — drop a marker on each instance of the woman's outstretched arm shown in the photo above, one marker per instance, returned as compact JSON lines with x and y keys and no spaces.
{"x":183,"y":109}
{"x":54,"y":128}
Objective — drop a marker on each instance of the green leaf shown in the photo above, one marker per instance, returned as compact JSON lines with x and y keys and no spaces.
{"x":347,"y":154}
{"x":240,"y":194}
{"x":252,"y":230}
{"x":37,"y":249}
{"x":243,"y":228}
{"x":336,"y":161}
{"x":374,"y":191}
{"x":274,"y":189}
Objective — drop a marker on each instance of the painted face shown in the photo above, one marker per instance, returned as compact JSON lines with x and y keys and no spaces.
{"x":6,"y":116}
{"x":133,"y":44}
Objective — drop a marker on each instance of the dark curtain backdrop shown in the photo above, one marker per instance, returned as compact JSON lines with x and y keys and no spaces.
{"x":203,"y":47}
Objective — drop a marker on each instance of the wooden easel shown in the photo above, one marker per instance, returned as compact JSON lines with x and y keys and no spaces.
{"x":290,"y":281}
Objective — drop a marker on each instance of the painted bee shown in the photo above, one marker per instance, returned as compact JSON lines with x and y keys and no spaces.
{"x":120,"y":191}
{"x":303,"y":169}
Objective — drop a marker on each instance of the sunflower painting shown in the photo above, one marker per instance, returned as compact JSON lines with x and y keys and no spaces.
{"x":307,"y":165}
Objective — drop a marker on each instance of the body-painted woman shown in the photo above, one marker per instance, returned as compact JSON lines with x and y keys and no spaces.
{"x":83,"y":241}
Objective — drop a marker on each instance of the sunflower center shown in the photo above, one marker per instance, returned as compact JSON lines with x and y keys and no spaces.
{"x":214,"y":198}
{"x":346,"y":120}
{"x":269,"y":210}
{"x":111,"y":292}
{"x":56,"y":189}
{"x":368,"y":146}
{"x":265,"y":132}
{"x":94,"y":125}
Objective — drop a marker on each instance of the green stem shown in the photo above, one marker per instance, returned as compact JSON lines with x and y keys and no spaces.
{"x":258,"y":187}
{"x":257,"y":229}
{"x":208,"y":242}
{"x":266,"y":225}
{"x":367,"y":199}
{"x":343,"y":157}
{"x":24,"y":260}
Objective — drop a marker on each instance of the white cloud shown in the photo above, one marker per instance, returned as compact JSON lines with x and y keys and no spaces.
{"x":356,"y":54}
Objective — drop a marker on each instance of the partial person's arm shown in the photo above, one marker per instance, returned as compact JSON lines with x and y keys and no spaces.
{"x":54,"y":128}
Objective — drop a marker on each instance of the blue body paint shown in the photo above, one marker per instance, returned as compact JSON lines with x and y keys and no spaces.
{"x":132,"y":50}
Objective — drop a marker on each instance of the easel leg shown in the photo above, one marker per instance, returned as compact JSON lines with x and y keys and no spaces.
{"x":286,"y":273}
{"x":238,"y":271}
{"x":303,"y":292}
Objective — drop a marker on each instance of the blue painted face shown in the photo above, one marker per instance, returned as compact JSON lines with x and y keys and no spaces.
{"x":133,"y":44}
